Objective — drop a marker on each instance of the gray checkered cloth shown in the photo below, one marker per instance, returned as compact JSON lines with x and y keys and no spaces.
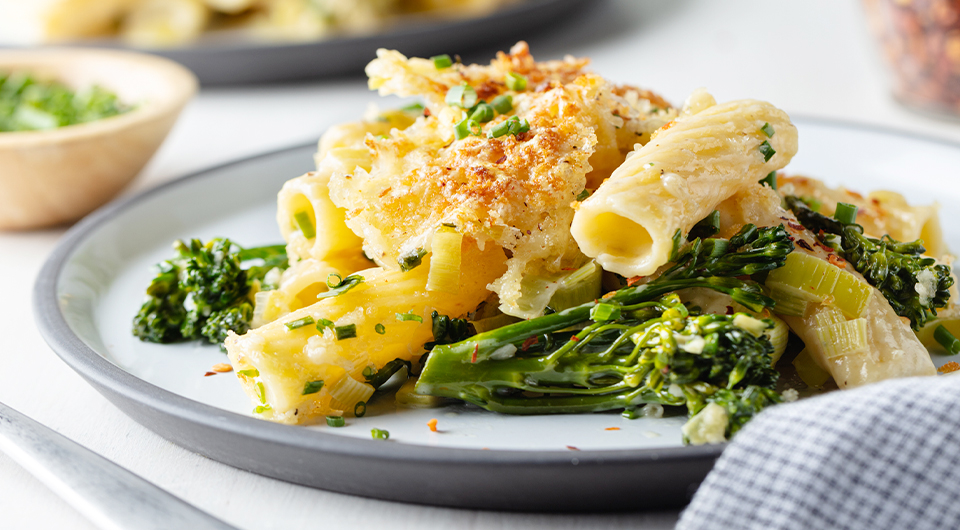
{"x":886,"y":456}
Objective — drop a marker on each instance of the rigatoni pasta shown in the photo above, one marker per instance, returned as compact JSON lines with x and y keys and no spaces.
{"x":671,"y":183}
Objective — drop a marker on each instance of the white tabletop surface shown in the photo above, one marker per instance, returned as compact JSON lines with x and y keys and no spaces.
{"x":811,"y":58}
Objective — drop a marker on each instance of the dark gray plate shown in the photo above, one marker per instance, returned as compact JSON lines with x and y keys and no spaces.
{"x":92,"y":284}
{"x":90,"y":287}
{"x":251,"y":62}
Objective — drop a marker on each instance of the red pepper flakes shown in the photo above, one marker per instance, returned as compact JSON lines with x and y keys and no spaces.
{"x":837,"y":261}
{"x":633,"y":281}
{"x":208,"y":374}
{"x":476,"y":350}
{"x":729,"y":310}
{"x":609,"y":295}
{"x":951,"y":366}
{"x":432,"y":424}
{"x":575,"y":338}
{"x":501,"y":160}
{"x":529,"y":342}
{"x":572,"y":448}
{"x":612,"y":429}
{"x":804,"y":245}
{"x":426,"y":112}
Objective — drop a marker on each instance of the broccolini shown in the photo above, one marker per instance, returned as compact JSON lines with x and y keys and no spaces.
{"x":914,"y":285}
{"x":640,"y":345}
{"x":204,"y":292}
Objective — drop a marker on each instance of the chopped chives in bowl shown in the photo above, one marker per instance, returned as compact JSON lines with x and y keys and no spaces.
{"x":30,"y":104}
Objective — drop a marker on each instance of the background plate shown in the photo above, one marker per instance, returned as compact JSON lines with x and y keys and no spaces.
{"x":222,"y":61}
{"x":92,"y":285}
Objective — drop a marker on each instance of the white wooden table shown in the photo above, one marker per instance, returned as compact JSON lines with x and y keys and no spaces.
{"x":811,"y":58}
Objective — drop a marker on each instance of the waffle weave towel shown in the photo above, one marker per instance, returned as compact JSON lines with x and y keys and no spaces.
{"x":886,"y":456}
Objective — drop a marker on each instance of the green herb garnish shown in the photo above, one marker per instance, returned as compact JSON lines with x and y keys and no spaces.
{"x":463,"y":96}
{"x":335,"y":421}
{"x":513,"y":125}
{"x":299,"y":323}
{"x":502,"y":104}
{"x":770,"y":180}
{"x":312,"y":387}
{"x":411,"y":260}
{"x":404,"y":317}
{"x":379,"y":434}
{"x":29,"y":104}
{"x":347,"y":331}
{"x":516,"y":82}
{"x":767,"y":151}
{"x":442,"y":61}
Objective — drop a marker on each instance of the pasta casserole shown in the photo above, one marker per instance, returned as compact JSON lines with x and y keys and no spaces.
{"x":533,"y":238}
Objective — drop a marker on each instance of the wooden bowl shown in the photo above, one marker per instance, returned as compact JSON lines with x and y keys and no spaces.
{"x":60,"y":175}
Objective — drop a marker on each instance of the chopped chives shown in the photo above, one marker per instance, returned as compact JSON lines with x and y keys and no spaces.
{"x":767,"y":151}
{"x":770,"y":180}
{"x":601,"y":312}
{"x":252,"y":372}
{"x":463,"y":96}
{"x":767,"y":130}
{"x":262,"y":392}
{"x":299,"y":323}
{"x":360,"y":409}
{"x":348,"y":283}
{"x":719,"y":247}
{"x":380,"y":329}
{"x":583,"y":195}
{"x":413,"y":107}
{"x":846,"y":213}
{"x":630,"y":414}
{"x":261,"y":409}
{"x":516,"y":82}
{"x":411,"y":260}
{"x":312,"y":387}
{"x":465,"y":128}
{"x":379,"y":434}
{"x":348,"y":331}
{"x":404,"y":317}
{"x":946,"y":339}
{"x":369,"y":372}
{"x":482,"y":112}
{"x":335,"y":421}
{"x":305,"y":224}
{"x":513,"y":125}
{"x":336,"y":282}
{"x":442,"y":61}
{"x":324,"y":323}
{"x":502,"y":104}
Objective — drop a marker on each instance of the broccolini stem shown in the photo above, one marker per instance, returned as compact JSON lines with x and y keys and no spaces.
{"x":914,"y":285}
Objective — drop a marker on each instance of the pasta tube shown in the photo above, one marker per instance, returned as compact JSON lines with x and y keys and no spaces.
{"x":302,"y":348}
{"x":892,"y":348}
{"x":693,"y":163}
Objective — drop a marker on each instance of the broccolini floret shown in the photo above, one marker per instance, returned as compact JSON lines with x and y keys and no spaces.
{"x":914,"y":285}
{"x":636,"y":346}
{"x":203,"y":292}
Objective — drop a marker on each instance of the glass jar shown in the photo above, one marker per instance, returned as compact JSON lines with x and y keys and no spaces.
{"x":920,"y":40}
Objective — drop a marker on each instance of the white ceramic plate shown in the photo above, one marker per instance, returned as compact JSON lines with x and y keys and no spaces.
{"x":92,"y":286}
